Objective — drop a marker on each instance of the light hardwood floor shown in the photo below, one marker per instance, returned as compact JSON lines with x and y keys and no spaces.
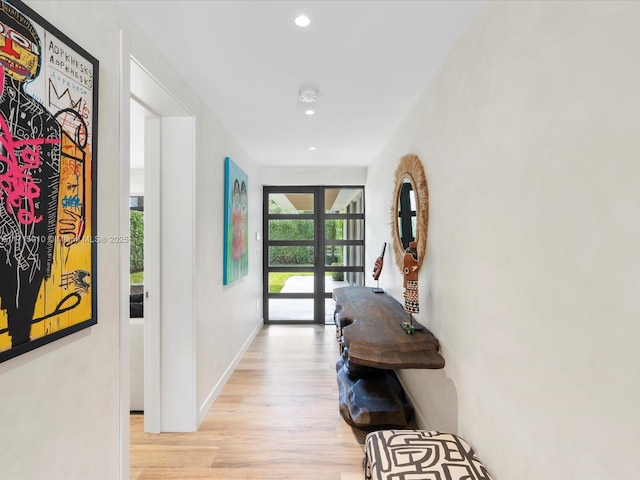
{"x":276,"y":418}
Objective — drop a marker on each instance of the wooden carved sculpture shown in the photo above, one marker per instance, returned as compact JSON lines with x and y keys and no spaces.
{"x":410,"y":272}
{"x":377,"y":269}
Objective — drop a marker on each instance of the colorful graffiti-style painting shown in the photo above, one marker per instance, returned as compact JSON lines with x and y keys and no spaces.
{"x":48,"y":125}
{"x":236,"y":255}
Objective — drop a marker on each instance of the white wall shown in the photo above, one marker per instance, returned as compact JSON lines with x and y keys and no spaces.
{"x":313,"y":175}
{"x":59,"y":404}
{"x":228,"y":316}
{"x":59,"y":407}
{"x":529,"y":138}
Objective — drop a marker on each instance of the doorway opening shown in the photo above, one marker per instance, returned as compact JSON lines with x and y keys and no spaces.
{"x":166,"y":132}
{"x":313,"y":242}
{"x":138,"y":116}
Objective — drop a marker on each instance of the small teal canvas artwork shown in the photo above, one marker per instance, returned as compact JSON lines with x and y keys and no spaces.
{"x":236,"y":223}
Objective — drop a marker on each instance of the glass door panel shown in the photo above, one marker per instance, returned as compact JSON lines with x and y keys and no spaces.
{"x":290,"y":247}
{"x":291,"y":256}
{"x":291,"y":229}
{"x":344,"y":256}
{"x":342,"y":279}
{"x":291,"y":310}
{"x":343,"y":240}
{"x":344,"y":200}
{"x":344,"y":229}
{"x":292,"y":203}
{"x":314,"y":242}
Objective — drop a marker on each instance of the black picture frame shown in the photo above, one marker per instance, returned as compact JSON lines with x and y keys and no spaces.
{"x":48,"y":182}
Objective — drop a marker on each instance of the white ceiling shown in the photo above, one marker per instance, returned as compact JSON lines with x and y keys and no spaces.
{"x":247,"y":60}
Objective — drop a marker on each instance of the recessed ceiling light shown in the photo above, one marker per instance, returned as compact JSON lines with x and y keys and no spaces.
{"x":312,"y":148}
{"x":309,"y":112}
{"x":303,"y":21}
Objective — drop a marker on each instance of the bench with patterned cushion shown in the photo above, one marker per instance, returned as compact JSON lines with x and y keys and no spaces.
{"x":420,"y":455}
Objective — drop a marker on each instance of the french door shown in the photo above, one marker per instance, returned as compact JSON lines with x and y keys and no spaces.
{"x":313,"y":243}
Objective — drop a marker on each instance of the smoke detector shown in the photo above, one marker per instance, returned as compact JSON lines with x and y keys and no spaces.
{"x":308,"y":95}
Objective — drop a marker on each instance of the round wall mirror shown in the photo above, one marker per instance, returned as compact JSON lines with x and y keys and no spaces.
{"x":410,"y":208}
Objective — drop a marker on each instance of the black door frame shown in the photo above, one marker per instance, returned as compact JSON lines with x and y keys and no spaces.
{"x":319,"y":244}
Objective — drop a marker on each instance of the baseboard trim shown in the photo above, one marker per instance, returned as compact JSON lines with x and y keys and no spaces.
{"x":211,"y":398}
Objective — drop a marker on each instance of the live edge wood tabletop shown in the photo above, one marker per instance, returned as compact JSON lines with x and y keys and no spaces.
{"x":373,"y":335}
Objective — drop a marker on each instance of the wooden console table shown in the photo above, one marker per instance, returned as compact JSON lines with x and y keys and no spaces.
{"x":374,"y":344}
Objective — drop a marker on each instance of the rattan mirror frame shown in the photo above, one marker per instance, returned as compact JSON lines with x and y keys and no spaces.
{"x":410,"y":168}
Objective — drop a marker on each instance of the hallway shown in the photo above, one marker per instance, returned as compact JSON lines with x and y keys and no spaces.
{"x":276,"y":418}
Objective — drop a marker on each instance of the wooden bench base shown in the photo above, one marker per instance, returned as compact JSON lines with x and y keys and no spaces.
{"x":420,"y":455}
{"x":373,"y":399}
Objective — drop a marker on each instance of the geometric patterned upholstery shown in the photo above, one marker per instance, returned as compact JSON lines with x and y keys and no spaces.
{"x":420,"y":455}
